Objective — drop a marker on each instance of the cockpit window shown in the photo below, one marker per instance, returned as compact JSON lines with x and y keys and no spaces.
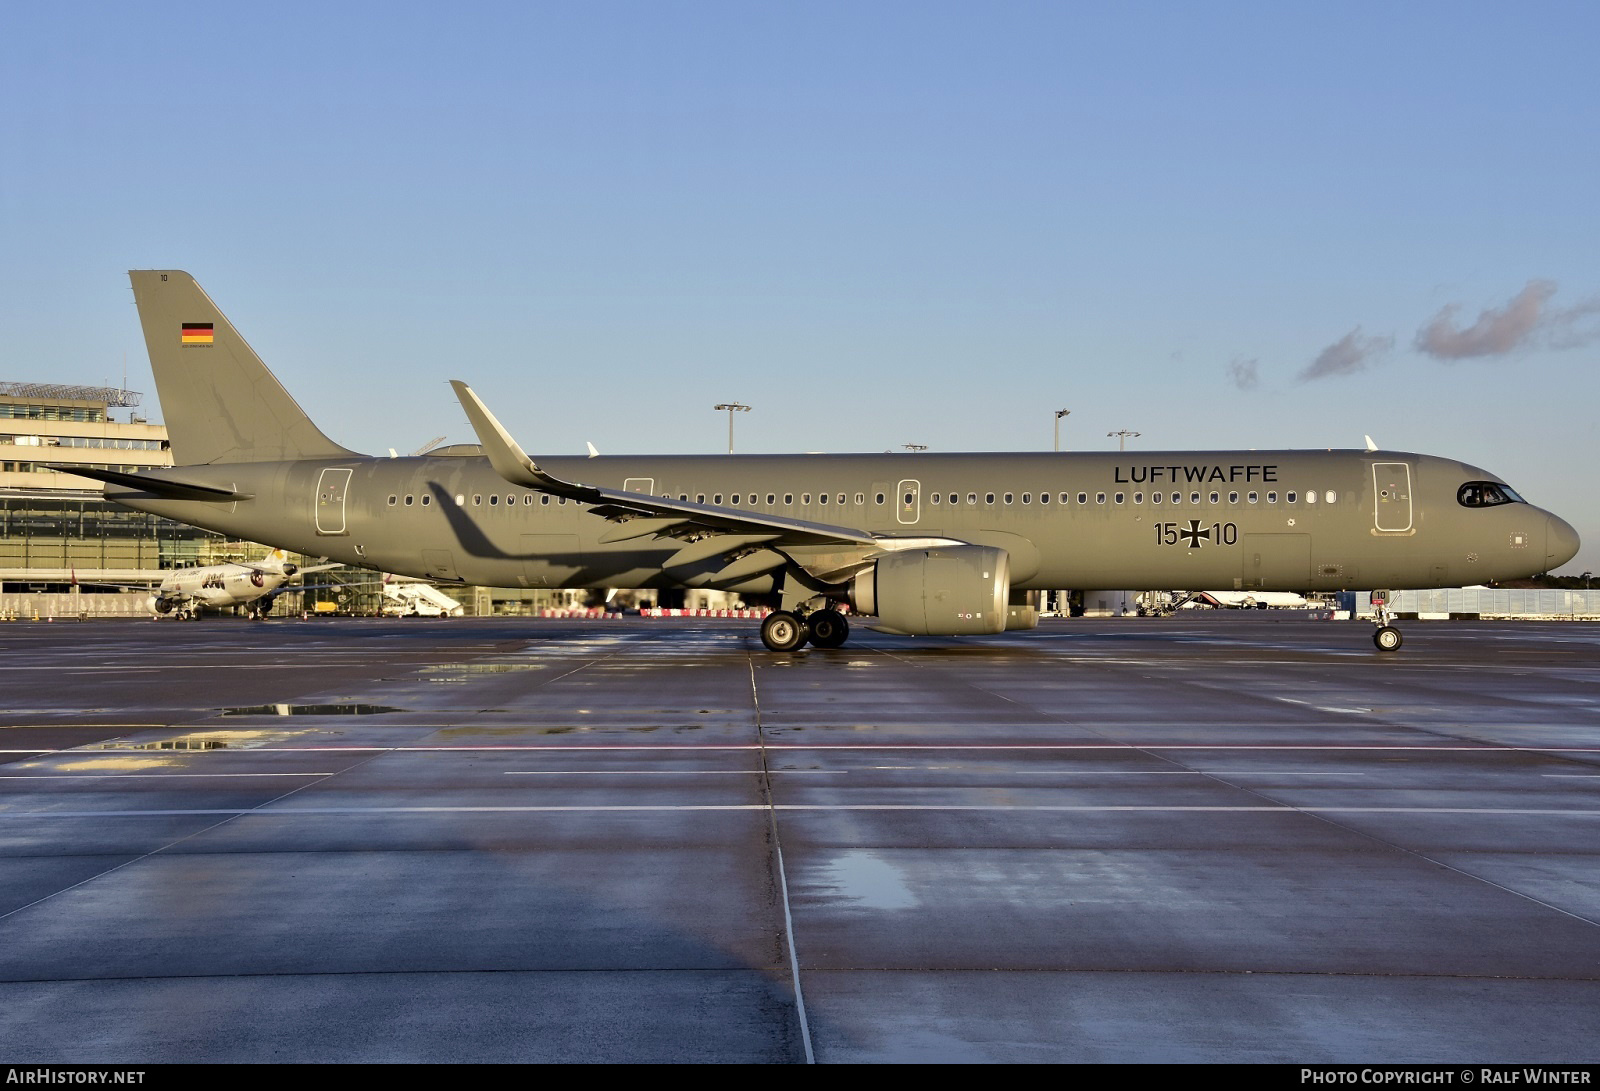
{"x":1486,"y":494}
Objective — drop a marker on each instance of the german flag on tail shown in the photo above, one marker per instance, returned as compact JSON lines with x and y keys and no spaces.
{"x":197,"y":333}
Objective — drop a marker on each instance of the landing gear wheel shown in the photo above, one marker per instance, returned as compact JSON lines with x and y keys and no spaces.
{"x":1387,"y":638}
{"x":828,"y":628}
{"x":783,"y":632}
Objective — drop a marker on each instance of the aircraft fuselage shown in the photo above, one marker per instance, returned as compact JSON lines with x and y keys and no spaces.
{"x":1246,"y":520}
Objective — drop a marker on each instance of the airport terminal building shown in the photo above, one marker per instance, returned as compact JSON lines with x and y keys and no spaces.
{"x":53,"y":525}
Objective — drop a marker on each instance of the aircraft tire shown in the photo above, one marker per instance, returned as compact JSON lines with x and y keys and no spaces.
{"x":782,"y":631}
{"x":1387,"y":638}
{"x":828,"y":628}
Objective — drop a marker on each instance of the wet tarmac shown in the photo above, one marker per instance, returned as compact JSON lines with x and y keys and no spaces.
{"x":1209,"y":838}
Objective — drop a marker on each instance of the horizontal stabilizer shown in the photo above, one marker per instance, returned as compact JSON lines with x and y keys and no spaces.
{"x":162,"y":488}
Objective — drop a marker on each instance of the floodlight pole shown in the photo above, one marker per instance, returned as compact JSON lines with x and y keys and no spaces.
{"x":1123,"y":437}
{"x":1059,"y":414}
{"x":732,"y":408}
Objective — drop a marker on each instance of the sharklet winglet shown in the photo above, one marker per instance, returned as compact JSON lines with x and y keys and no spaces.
{"x":507,"y":457}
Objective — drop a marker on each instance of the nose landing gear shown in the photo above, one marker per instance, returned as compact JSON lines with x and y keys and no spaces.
{"x":1387,"y":638}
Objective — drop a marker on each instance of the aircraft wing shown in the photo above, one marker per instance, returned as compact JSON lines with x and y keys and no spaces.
{"x":640,"y":513}
{"x":756,"y":541}
{"x":265,"y":571}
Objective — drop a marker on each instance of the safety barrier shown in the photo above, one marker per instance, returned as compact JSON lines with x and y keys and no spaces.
{"x":598,"y":612}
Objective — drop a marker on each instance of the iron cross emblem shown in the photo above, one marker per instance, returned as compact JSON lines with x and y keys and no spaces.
{"x":1193,"y":535}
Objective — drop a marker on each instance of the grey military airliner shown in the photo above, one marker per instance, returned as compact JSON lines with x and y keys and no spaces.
{"x":925,"y":544}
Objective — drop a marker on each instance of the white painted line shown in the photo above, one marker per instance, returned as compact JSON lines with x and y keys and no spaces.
{"x":156,"y":776}
{"x":812,"y":748}
{"x":296,"y":812}
{"x":666,"y":772}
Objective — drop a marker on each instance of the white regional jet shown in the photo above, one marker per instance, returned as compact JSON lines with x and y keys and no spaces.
{"x":253,"y":584}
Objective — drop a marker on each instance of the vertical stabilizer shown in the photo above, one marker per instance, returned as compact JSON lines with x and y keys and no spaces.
{"x":220,"y":402}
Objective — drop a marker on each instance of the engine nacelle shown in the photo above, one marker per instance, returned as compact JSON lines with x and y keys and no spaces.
{"x":159,"y":605}
{"x":948,"y":591}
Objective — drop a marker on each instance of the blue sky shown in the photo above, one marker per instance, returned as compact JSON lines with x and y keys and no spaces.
{"x":1221,"y":225}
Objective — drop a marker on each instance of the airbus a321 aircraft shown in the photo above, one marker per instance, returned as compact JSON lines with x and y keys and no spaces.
{"x":238,"y":583}
{"x":927,"y":544}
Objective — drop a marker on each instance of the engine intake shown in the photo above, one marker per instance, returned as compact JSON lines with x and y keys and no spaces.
{"x":948,"y":591}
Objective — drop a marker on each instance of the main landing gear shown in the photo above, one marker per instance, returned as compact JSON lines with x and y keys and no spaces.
{"x":787,"y":631}
{"x":1387,"y":638}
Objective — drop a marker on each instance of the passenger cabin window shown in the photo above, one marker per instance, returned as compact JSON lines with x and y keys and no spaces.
{"x":1331,"y":497}
{"x":1044,"y":498}
{"x":426,"y":500}
{"x":408,"y":501}
{"x":1288,"y":498}
{"x":1083,"y":498}
{"x":1138,"y":498}
{"x":1272,"y":497}
{"x":393,"y":500}
{"x":988,"y":498}
{"x":1099,"y":498}
{"x":972,"y":498}
{"x":1486,"y":494}
{"x":1254,"y":497}
{"x":1008,"y":498}
{"x":1233,"y":498}
{"x":1119,"y":498}
{"x":1311,"y":497}
{"x":788,"y":499}
{"x":1216,"y":496}
{"x":880,"y":498}
{"x":1155,"y":498}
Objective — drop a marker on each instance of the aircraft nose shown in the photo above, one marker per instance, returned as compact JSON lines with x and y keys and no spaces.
{"x":1561,"y":543}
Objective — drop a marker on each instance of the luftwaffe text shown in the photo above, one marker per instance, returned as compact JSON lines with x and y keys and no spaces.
{"x":1197,"y":475}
